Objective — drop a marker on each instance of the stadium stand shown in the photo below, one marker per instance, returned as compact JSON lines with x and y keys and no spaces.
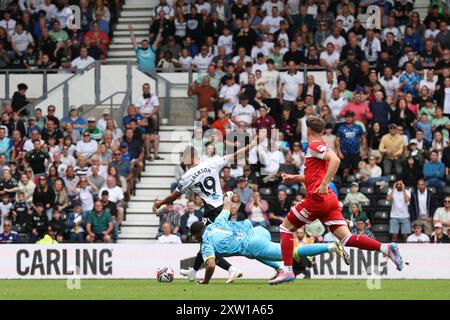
{"x":385,"y":94}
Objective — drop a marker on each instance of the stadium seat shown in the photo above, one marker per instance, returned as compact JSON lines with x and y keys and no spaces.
{"x":275,"y":233}
{"x":265,"y":191}
{"x":381,"y":216}
{"x":350,"y":178}
{"x":383,"y":191}
{"x":367,"y":191}
{"x":344,"y":190}
{"x":392,"y":178}
{"x":432,"y":190}
{"x":447,"y":190}
{"x":290,"y":192}
{"x":366,"y":204}
{"x":337,"y":180}
{"x":302,"y":191}
{"x":382,"y":203}
{"x":380,"y":228}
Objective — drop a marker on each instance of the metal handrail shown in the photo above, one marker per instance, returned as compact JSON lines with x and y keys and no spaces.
{"x":110,"y":98}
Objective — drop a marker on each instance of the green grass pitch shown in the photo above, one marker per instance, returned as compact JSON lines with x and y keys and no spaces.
{"x":218,"y":290}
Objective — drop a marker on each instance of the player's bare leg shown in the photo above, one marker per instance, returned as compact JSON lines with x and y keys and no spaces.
{"x":363,"y":242}
{"x":287,"y":232}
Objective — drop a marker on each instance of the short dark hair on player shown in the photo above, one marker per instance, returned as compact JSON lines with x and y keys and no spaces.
{"x":197,"y":227}
{"x":316,"y":124}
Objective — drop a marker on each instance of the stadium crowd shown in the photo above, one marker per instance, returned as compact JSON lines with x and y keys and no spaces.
{"x":384,"y":94}
{"x":385,"y":97}
{"x":37,"y":34}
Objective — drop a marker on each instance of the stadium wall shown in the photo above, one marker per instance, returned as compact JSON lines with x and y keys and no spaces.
{"x":426,"y":261}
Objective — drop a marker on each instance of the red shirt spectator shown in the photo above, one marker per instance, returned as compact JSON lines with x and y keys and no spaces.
{"x":359,"y":108}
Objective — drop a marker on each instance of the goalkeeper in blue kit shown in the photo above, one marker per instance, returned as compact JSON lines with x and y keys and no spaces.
{"x":228,"y":238}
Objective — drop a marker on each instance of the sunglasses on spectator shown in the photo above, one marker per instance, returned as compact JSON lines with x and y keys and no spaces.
{"x":447,"y":201}
{"x":117,"y":154}
{"x":41,"y":178}
{"x":6,"y":225}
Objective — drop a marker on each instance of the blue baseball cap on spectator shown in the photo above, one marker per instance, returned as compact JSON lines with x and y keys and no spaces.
{"x":76,"y":203}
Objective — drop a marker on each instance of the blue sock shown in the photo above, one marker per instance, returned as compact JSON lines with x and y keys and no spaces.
{"x":312,"y":249}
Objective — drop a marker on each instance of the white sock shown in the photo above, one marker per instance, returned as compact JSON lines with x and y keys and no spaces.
{"x":287,"y":269}
{"x":384,"y":249}
{"x":331,"y":247}
{"x":232,"y":269}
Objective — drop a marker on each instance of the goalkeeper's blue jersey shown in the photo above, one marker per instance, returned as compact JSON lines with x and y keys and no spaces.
{"x":226,"y":238}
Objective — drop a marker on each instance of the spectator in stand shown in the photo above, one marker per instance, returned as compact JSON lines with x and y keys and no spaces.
{"x":257,"y":211}
{"x":167,"y":237}
{"x":207,"y":95}
{"x":279,"y":208}
{"x":8,"y":236}
{"x":438,"y":236}
{"x":360,"y":109}
{"x":83,"y":61}
{"x":423,"y":206}
{"x":442,"y":215}
{"x":400,"y":220}
{"x":146,"y":52}
{"x":170,"y":216}
{"x":189,"y":216}
{"x":39,"y":223}
{"x":355,"y":197}
{"x":19,"y":99}
{"x":361,"y":229}
{"x":99,"y":224}
{"x":418,"y":236}
{"x":291,"y":84}
{"x":391,"y":147}
{"x":243,"y":190}
{"x":78,"y":123}
{"x":87,"y":146}
{"x":350,"y":143}
{"x":434,"y":172}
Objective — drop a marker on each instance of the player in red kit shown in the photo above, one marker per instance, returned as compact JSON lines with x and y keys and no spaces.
{"x":321,"y":203}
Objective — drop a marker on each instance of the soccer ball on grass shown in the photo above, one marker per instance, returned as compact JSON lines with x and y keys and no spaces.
{"x":164,"y":274}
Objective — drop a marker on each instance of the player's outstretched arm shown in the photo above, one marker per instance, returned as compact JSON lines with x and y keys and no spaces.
{"x":291,"y":178}
{"x":169,"y":199}
{"x":333,"y":166}
{"x":210,"y":266}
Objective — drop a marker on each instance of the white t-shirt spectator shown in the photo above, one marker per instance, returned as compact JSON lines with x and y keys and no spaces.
{"x":226,"y":42}
{"x":80,"y":63}
{"x":394,"y":30}
{"x":29,"y":145}
{"x":246,"y":59}
{"x":185,"y":62}
{"x":244,"y":114}
{"x":336,"y":107}
{"x":371,"y":51}
{"x":170,"y":239}
{"x":87,"y":149}
{"x":423,"y":238}
{"x":338,"y":42}
{"x":231,"y":93}
{"x":146,"y":105}
{"x":271,"y":160}
{"x":87,"y":201}
{"x":291,"y":84}
{"x":261,"y":67}
{"x":62,"y":16}
{"x":431,"y":85}
{"x":442,"y":216}
{"x":399,"y":208}
{"x":204,"y":6}
{"x":268,"y":5}
{"x":22,"y":40}
{"x":49,"y":9}
{"x":201,"y":62}
{"x":114,"y":194}
{"x":273,"y":23}
{"x":431,"y":33}
{"x":255,"y":50}
{"x":390,"y":86}
{"x":9,"y":26}
{"x":271,"y":79}
{"x":330,"y":59}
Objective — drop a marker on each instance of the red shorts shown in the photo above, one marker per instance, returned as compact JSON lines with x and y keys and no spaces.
{"x":325,"y":208}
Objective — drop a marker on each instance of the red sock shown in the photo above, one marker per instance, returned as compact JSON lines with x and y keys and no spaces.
{"x":361,"y":242}
{"x":287,"y":246}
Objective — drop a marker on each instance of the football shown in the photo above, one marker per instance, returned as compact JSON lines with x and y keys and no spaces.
{"x":164,"y":274}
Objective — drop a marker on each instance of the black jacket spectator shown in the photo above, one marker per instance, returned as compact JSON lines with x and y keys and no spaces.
{"x":316,"y":92}
{"x":184,"y":230}
{"x":18,"y":101}
{"x":45,"y":195}
{"x":414,"y":204}
{"x":411,"y":174}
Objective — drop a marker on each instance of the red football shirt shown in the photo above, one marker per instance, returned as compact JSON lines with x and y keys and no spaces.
{"x":315,"y":167}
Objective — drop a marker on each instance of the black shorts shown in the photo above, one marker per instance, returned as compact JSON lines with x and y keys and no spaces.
{"x":211,"y":213}
{"x":351,"y":161}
